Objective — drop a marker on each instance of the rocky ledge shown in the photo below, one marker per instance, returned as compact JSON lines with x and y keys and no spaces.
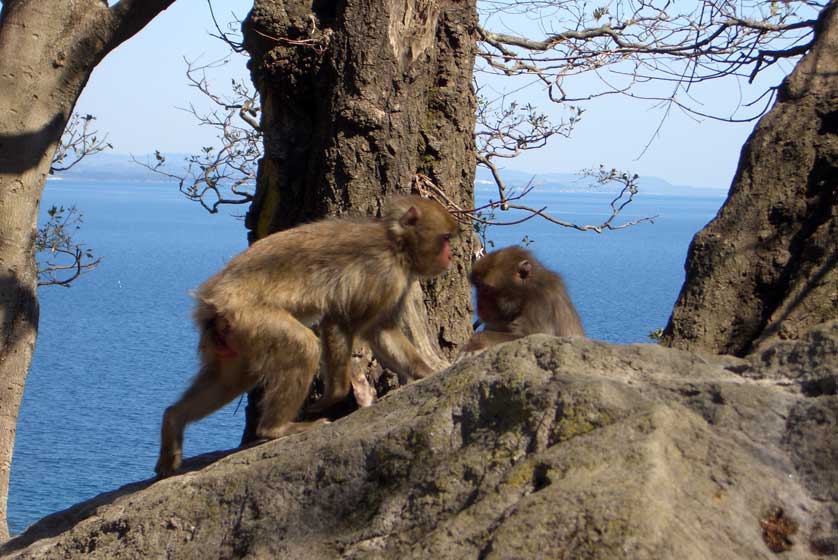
{"x":541,"y":448}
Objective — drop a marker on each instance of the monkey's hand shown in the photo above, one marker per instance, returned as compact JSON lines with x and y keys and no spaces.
{"x":334,"y":406}
{"x":395,"y":352}
{"x":482,"y":340}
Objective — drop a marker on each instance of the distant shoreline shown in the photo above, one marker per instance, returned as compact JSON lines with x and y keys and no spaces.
{"x":481,"y":187}
{"x":115,"y":167}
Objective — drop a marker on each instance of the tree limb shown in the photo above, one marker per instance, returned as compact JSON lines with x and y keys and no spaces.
{"x":127,"y":17}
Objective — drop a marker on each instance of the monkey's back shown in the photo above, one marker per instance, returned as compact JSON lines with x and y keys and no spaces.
{"x":350,"y":268}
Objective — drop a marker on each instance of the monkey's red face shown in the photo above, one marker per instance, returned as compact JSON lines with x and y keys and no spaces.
{"x":426,"y":230}
{"x":439,"y":259}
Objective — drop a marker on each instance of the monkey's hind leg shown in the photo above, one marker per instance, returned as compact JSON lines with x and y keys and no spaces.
{"x":288,"y":354}
{"x":211,"y":389}
{"x":336,"y":365}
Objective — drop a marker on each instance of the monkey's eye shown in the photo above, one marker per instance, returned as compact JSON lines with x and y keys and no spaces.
{"x":446,"y":237}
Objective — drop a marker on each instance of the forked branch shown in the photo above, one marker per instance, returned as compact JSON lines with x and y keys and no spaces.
{"x":226,"y":174}
{"x":78,"y":141}
{"x":60,"y":259}
{"x":423,"y":185}
{"x":639,"y":42}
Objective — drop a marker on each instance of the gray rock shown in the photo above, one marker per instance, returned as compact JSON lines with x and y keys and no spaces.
{"x":766,"y":267}
{"x":540,"y":448}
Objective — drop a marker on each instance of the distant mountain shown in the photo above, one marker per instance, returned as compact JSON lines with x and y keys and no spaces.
{"x":112,"y":167}
{"x":573,"y":182}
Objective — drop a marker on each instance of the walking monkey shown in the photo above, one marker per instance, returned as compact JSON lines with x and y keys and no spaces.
{"x":350,"y":274}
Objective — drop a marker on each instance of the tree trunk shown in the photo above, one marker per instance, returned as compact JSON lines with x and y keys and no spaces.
{"x":765,"y":267}
{"x":47,"y":51}
{"x":357,"y":99}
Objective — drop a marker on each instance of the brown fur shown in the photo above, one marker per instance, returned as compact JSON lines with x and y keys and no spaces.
{"x":351,"y":275}
{"x":517,"y":296}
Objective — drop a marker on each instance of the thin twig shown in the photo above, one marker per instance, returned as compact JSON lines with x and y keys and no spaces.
{"x":423,"y":185}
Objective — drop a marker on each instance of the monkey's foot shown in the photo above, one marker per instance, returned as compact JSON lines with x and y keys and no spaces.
{"x":290,"y":428}
{"x":167,"y":464}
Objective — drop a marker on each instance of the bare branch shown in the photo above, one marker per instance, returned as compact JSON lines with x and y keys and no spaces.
{"x":127,"y":17}
{"x":77,"y":142}
{"x":645,"y":40}
{"x":506,"y":129}
{"x":426,"y":187}
{"x":223,"y":175}
{"x":236,"y":46}
{"x":318,"y":42}
{"x":212,"y":178}
{"x":60,"y":259}
{"x":483,"y":160}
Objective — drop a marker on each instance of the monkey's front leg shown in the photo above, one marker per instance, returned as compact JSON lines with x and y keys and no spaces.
{"x":336,"y":367}
{"x":392,"y":348}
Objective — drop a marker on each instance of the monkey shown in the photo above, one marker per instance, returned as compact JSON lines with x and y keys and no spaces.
{"x":350,"y":274}
{"x":517,"y":296}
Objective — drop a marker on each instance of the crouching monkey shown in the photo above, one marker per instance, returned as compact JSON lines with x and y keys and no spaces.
{"x":517,"y":296}
{"x":351,"y":275}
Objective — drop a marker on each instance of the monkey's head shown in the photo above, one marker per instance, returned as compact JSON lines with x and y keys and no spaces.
{"x":422,"y":230}
{"x":503,"y":280}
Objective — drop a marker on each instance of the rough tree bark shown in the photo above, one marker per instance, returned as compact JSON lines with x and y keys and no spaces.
{"x":765,"y":267}
{"x":48,"y":48}
{"x":359,"y":97}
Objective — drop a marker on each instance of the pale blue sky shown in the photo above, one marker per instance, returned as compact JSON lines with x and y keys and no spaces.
{"x":136,"y":91}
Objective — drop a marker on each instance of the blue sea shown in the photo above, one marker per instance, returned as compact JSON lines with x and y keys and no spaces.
{"x":118,"y":346}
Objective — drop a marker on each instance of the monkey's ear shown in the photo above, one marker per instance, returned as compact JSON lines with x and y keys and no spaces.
{"x":410,"y":217}
{"x":524,"y":269}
